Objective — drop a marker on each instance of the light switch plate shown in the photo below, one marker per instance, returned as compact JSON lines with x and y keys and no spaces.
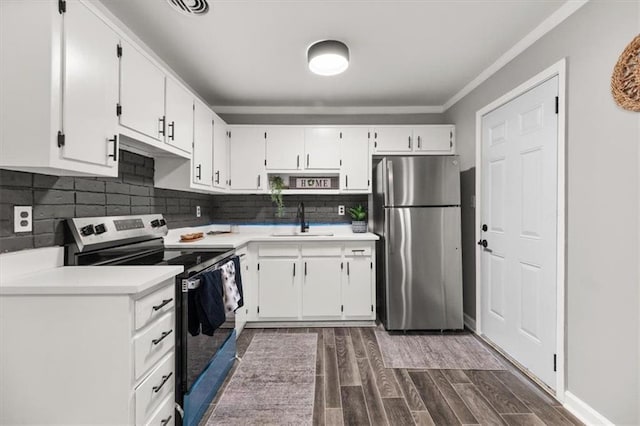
{"x":341,"y":210}
{"x":22,"y":218}
{"x":198,"y":212}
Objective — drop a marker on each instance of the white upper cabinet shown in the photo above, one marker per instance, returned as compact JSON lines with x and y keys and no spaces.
{"x":284,"y":148}
{"x":392,"y":139}
{"x":246,"y":159}
{"x":141,"y":94}
{"x":202,"y":173}
{"x":322,"y":148}
{"x":220,"y":154}
{"x":355,"y":173}
{"x":179,"y":116}
{"x":434,"y":139}
{"x":59,"y":90}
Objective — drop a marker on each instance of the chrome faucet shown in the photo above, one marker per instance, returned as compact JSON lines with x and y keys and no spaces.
{"x":304,"y":227}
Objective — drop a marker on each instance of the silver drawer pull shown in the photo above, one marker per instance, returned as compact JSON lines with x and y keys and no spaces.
{"x":163,"y":304}
{"x":161,"y":338}
{"x":156,"y":389}
{"x":165,"y":422}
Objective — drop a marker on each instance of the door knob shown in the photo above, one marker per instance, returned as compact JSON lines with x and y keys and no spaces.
{"x":483,"y":243}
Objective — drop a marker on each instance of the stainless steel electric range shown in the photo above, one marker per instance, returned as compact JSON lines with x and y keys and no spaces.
{"x":202,"y":362}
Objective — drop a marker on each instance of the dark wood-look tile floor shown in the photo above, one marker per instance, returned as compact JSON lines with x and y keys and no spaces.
{"x":353,"y":387}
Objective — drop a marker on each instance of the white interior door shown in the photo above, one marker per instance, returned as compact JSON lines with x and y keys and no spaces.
{"x":519,"y":207}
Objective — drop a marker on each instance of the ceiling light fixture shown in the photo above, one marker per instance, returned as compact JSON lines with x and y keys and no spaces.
{"x":190,"y":7}
{"x":328,"y":57}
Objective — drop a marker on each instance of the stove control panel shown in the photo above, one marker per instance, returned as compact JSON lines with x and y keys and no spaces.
{"x":96,"y":232}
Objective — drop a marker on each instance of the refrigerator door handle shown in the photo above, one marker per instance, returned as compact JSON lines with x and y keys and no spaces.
{"x":389,"y":181}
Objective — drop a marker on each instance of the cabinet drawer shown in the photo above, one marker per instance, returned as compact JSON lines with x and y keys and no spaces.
{"x":153,"y":343}
{"x":154,"y":390}
{"x":278,"y":251}
{"x":320,"y":250}
{"x":155,"y":305}
{"x":357,"y":250}
{"x":164,"y":415}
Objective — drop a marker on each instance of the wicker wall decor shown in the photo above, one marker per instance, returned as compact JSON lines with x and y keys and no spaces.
{"x":625,"y":81}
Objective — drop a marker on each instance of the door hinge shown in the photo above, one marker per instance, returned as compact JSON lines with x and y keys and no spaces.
{"x":119,"y":51}
{"x":341,"y":162}
{"x":118,"y":110}
{"x":229,"y":182}
{"x":371,"y":308}
{"x":62,"y":6}
{"x":60,"y":139}
{"x":265,"y":161}
{"x":340,"y":135}
{"x":368,"y":135}
{"x":341,"y":308}
{"x":450,"y":144}
{"x":258,"y":309}
{"x":265,"y":135}
{"x":341,"y":265}
{"x":375,"y":144}
{"x":229,"y":134}
{"x":368,"y":182}
{"x":371,"y":264}
{"x":555,"y":358}
{"x":557,"y":104}
{"x":258,"y":266}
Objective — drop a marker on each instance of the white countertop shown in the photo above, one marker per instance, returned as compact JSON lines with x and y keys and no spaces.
{"x":245,"y":234}
{"x":95,"y":280}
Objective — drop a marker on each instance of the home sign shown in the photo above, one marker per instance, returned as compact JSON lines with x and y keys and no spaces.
{"x":306,"y":182}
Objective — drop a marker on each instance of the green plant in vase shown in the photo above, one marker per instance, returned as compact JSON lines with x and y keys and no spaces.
{"x":276,"y":184}
{"x":358,"y":216}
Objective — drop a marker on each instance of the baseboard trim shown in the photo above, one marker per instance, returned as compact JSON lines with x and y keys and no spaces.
{"x":470,"y":323}
{"x":309,"y":324}
{"x":583,"y":411}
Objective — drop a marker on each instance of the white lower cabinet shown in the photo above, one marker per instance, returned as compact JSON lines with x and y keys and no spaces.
{"x":314,"y":281}
{"x":321,"y":287}
{"x":279,"y":288}
{"x":108,"y":359}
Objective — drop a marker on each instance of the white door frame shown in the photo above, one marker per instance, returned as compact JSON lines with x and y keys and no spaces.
{"x":557,"y":69}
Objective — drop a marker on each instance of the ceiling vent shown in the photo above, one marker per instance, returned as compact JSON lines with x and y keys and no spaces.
{"x":190,"y":7}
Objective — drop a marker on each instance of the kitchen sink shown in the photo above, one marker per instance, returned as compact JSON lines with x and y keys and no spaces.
{"x":302,"y":234}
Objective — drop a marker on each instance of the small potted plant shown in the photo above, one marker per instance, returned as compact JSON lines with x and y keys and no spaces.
{"x":358,"y":215}
{"x":276,"y":184}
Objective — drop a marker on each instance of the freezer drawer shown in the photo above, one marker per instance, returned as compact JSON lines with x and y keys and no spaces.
{"x":423,"y":276}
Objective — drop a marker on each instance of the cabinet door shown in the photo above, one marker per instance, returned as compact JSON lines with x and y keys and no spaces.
{"x":179,"y":116}
{"x":284,"y":146}
{"x":202,"y":145}
{"x":356,"y":162}
{"x":357,"y":287}
{"x":220,"y":153}
{"x":321,"y":287}
{"x":246,"y":158}
{"x":393,"y":139}
{"x":322,"y":148}
{"x":141,"y":94}
{"x":90,"y":90}
{"x":433,"y":139}
{"x":278,"y":294}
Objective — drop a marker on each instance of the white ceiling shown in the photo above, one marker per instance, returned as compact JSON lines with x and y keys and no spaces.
{"x":403,"y":53}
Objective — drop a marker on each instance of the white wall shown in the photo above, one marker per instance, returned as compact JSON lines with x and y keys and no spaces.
{"x":603,"y":202}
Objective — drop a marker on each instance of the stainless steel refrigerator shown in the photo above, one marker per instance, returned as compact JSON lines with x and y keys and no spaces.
{"x":416,"y":213}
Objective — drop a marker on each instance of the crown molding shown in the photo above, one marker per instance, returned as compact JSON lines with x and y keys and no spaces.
{"x":320,"y":110}
{"x":555,"y":19}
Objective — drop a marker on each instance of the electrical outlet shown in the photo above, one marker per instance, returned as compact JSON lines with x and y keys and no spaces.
{"x":198,"y":211}
{"x":22,"y":219}
{"x":341,"y":210}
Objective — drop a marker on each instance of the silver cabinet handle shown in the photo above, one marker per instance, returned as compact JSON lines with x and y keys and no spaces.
{"x":162,"y":120}
{"x":347,"y":268}
{"x":305,"y":269}
{"x":172,"y":126}
{"x":218,"y":176}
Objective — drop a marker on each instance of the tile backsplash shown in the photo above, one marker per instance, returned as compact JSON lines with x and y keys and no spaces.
{"x":56,"y":198}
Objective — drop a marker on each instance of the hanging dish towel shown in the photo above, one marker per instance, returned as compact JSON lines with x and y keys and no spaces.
{"x":209,"y":298}
{"x":232,"y":293}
